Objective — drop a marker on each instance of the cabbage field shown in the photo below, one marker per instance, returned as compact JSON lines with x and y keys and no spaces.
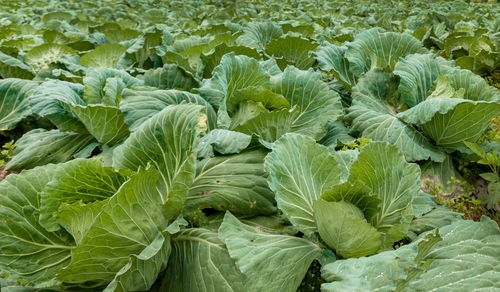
{"x":254,"y":146}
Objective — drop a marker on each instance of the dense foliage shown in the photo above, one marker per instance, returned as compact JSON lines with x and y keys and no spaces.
{"x":246,"y":146}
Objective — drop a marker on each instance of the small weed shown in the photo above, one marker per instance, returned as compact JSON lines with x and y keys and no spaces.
{"x":461,"y":199}
{"x":493,"y":79}
{"x":6,"y":152}
{"x":356,"y":144}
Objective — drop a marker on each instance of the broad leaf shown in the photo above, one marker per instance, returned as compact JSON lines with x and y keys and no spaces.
{"x":379,"y":272}
{"x":166,"y":141}
{"x":418,"y":72}
{"x":96,"y":81}
{"x":43,"y":55}
{"x":294,"y":50}
{"x":332,"y":58}
{"x":14,"y":107}
{"x":106,"y":56}
{"x":345,"y":159}
{"x":130,"y":220}
{"x":213,"y":57}
{"x":84,"y":180}
{"x":317,"y":105}
{"x":29,"y":252}
{"x":449,"y":258}
{"x":141,"y":104}
{"x":77,"y":218}
{"x":39,"y":147}
{"x":372,"y":117}
{"x":452,"y":263}
{"x":232,"y":74}
{"x":259,"y":34}
{"x":299,"y":172}
{"x":236,"y":183}
{"x":142,"y":269}
{"x":170,"y":76}
{"x":374,"y":49}
{"x":200,"y":262}
{"x":344,"y":228}
{"x":257,"y":254}
{"x":105,"y":123}
{"x":268,"y":125}
{"x":11,"y":67}
{"x":52,"y":99}
{"x":451,"y":121}
{"x":383,"y":168}
{"x":222,"y":141}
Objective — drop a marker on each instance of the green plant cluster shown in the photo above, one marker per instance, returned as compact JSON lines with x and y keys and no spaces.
{"x":6,"y":152}
{"x":207,"y":146}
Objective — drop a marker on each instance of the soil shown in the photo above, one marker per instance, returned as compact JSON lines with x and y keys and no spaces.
{"x":4,"y":173}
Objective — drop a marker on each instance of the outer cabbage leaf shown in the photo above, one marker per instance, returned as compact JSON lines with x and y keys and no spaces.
{"x":345,"y":159}
{"x":331,"y":57}
{"x":430,"y":216}
{"x":105,"y":56}
{"x":259,"y":34}
{"x":384,"y":170}
{"x":182,"y":61}
{"x":344,"y":228}
{"x":126,"y":225}
{"x":381,"y":185}
{"x":374,"y":49}
{"x":294,"y":50}
{"x":142,"y":269}
{"x":166,"y":141}
{"x":270,"y":125}
{"x":232,"y":74}
{"x":97,"y":89}
{"x":257,"y":254}
{"x":418,"y":72}
{"x":236,"y":183}
{"x":451,"y":121}
{"x":14,"y":105}
{"x":39,"y":147}
{"x":257,"y":94}
{"x":11,"y":67}
{"x":299,"y":172}
{"x":141,"y":104}
{"x":105,"y":123}
{"x":371,"y":117}
{"x":315,"y":106}
{"x":449,"y":258}
{"x":222,"y":141}
{"x":170,"y":76}
{"x":306,"y":90}
{"x":43,"y":55}
{"x":28,"y":251}
{"x":212,"y":58}
{"x":77,"y":218}
{"x":145,"y":46}
{"x":119,"y":35}
{"x":475,"y":86}
{"x":447,"y":118}
{"x":378,"y":272}
{"x":200,"y":262}
{"x":52,"y":99}
{"x":84,"y":180}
